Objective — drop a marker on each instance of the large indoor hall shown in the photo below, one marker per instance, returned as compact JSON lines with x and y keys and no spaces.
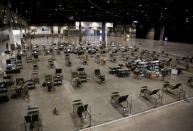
{"x":105,"y":65}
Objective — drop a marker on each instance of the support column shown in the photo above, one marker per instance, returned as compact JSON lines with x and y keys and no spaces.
{"x":125,"y":34}
{"x":115,"y":30}
{"x":19,"y":44}
{"x":162,"y":34}
{"x":80,"y":33}
{"x":103,"y":32}
{"x":58,"y":33}
{"x":52,"y":34}
{"x":11,"y":38}
{"x":25,"y":31}
{"x":68,"y":31}
{"x":52,"y":31}
{"x":59,"y":28}
{"x":21,"y":33}
{"x":21,"y":36}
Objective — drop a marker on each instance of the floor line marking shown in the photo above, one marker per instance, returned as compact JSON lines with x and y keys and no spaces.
{"x":137,"y":114}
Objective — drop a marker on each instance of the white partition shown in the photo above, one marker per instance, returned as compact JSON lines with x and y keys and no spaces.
{"x":40,"y":30}
{"x":55,"y":29}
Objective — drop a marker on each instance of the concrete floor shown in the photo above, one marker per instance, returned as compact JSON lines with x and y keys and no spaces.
{"x":97,"y":96}
{"x":176,"y":117}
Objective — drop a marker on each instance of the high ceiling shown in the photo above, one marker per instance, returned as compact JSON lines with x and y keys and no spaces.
{"x":60,"y":11}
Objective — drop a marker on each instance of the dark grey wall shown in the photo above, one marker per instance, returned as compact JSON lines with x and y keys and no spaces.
{"x":176,"y":32}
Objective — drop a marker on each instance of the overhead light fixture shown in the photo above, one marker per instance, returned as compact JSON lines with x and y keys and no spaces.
{"x":187,"y":20}
{"x":71,"y":18}
{"x":135,"y":21}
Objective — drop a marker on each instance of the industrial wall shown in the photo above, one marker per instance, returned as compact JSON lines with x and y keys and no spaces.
{"x":180,"y":31}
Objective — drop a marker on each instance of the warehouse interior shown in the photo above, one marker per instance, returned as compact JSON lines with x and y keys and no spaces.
{"x":87,"y":65}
